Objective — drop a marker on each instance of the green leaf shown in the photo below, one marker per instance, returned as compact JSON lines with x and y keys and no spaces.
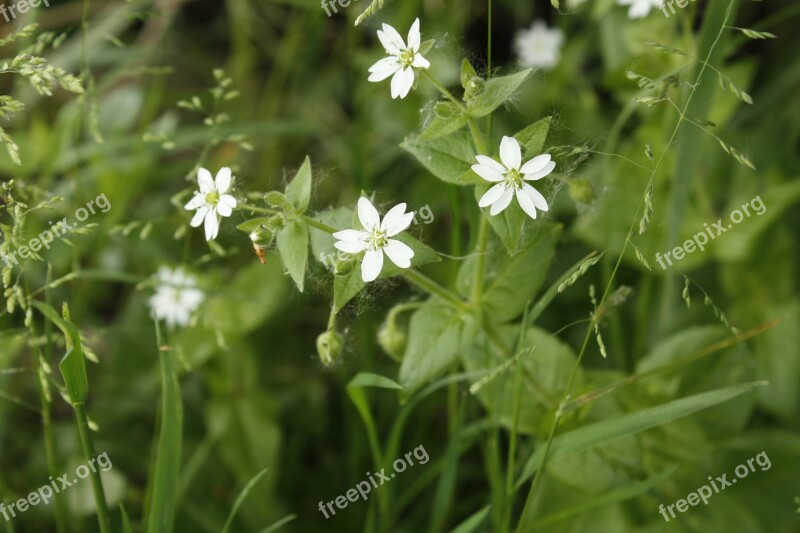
{"x":72,"y":365}
{"x":164,"y":494}
{"x":447,"y":119}
{"x":533,"y":137}
{"x":367,"y":379}
{"x":437,"y":335}
{"x":298,"y":192}
{"x":512,"y":281}
{"x":355,"y":390}
{"x":467,"y":72}
{"x":249,"y":225}
{"x":593,"y":435}
{"x":426,"y":46}
{"x":240,"y":500}
{"x":448,"y":158}
{"x":496,"y":91}
{"x":293,"y":247}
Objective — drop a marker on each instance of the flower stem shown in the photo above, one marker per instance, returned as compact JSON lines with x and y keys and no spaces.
{"x":94,"y":476}
{"x":256,"y":209}
{"x":319,"y":225}
{"x":447,"y":94}
{"x":480,"y":265}
{"x":428,"y":285}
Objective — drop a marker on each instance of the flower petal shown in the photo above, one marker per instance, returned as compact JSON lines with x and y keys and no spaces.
{"x":228,"y":200}
{"x":198,"y":200}
{"x":199,"y":216}
{"x":223,"y":180}
{"x":487,"y":173}
{"x":420,"y":62}
{"x":414,"y":36}
{"x":224,"y":209}
{"x":491,"y":163}
{"x":536,"y":164}
{"x":391,"y":40}
{"x":492,"y":195}
{"x":548,"y":168}
{"x":396,"y":220}
{"x":367,"y":214}
{"x":537,"y":198}
{"x":510,"y":153}
{"x":351,"y":247}
{"x":205,"y":181}
{"x":350,"y":235}
{"x":399,"y":253}
{"x":211,"y":225}
{"x":401,"y":82}
{"x":526,"y":203}
{"x":502,"y":203}
{"x":371,"y":265}
{"x":384,"y":68}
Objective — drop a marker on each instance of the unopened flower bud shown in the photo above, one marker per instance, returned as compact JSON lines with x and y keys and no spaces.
{"x":392,"y":340}
{"x":329,"y":347}
{"x":343,"y":267}
{"x":581,"y":190}
{"x":475,"y":88}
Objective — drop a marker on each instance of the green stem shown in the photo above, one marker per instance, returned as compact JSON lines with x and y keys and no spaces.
{"x":256,"y":209}
{"x":447,"y":94}
{"x":97,"y":483}
{"x":319,"y":225}
{"x":430,"y":286}
{"x":480,"y":265}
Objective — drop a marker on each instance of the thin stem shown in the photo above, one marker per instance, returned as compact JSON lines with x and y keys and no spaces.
{"x":480,"y":265}
{"x":256,"y":209}
{"x":447,"y":94}
{"x":430,"y":286}
{"x":319,"y":225}
{"x":97,"y":483}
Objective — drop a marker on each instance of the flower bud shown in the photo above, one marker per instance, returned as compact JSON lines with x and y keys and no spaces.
{"x":581,"y":190}
{"x":329,"y":347}
{"x":392,"y":339}
{"x":343,"y":267}
{"x":475,"y":88}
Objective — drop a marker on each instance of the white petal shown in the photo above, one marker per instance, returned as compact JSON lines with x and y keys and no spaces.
{"x":401,"y":82}
{"x":367,"y":214}
{"x":492,"y":195}
{"x":420,"y":62}
{"x":526,"y":203}
{"x":198,"y":217}
{"x":205,"y":181}
{"x":350,"y":235}
{"x":414,"y":36}
{"x":223,"y":180}
{"x":198,"y":200}
{"x":502,"y":203}
{"x":510,"y":153}
{"x":384,"y":68}
{"x":228,"y":200}
{"x":211,"y":225}
{"x":548,"y":168}
{"x":396,"y":220}
{"x":224,"y":209}
{"x":536,"y":164}
{"x":351,"y":247}
{"x":537,"y":198}
{"x":487,"y":173}
{"x":399,"y":253}
{"x":371,"y":265}
{"x":391,"y":40}
{"x":491,"y":163}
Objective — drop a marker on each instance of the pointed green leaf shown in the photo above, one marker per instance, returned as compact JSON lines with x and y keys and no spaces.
{"x":495,"y":93}
{"x":293,"y":246}
{"x":533,"y":137}
{"x":298,"y":192}
{"x":447,"y":158}
{"x":467,"y":72}
{"x":447,"y":119}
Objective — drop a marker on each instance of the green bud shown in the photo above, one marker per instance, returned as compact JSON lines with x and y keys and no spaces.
{"x":392,"y":339}
{"x":475,"y":88}
{"x":276,"y":199}
{"x":329,"y":347}
{"x":581,"y":190}
{"x":262,"y":236}
{"x":342,"y":268}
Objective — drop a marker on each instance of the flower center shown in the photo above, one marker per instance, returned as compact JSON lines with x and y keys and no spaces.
{"x":377,"y":239}
{"x":212,"y":198}
{"x":514,"y":178}
{"x":406,"y":58}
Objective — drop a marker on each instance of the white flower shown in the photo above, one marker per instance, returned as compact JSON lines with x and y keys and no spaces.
{"x":375,"y":238}
{"x":211,"y":201}
{"x":402,"y":59}
{"x":540,"y":46}
{"x":509,"y":178}
{"x":640,"y":8}
{"x":176,"y":297}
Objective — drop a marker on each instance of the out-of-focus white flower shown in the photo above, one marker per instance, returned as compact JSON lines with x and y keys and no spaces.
{"x":539,"y":46}
{"x":210,"y":201}
{"x":640,"y":8}
{"x":509,"y":177}
{"x":402,"y":59}
{"x":176,"y":297}
{"x":375,"y":238}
